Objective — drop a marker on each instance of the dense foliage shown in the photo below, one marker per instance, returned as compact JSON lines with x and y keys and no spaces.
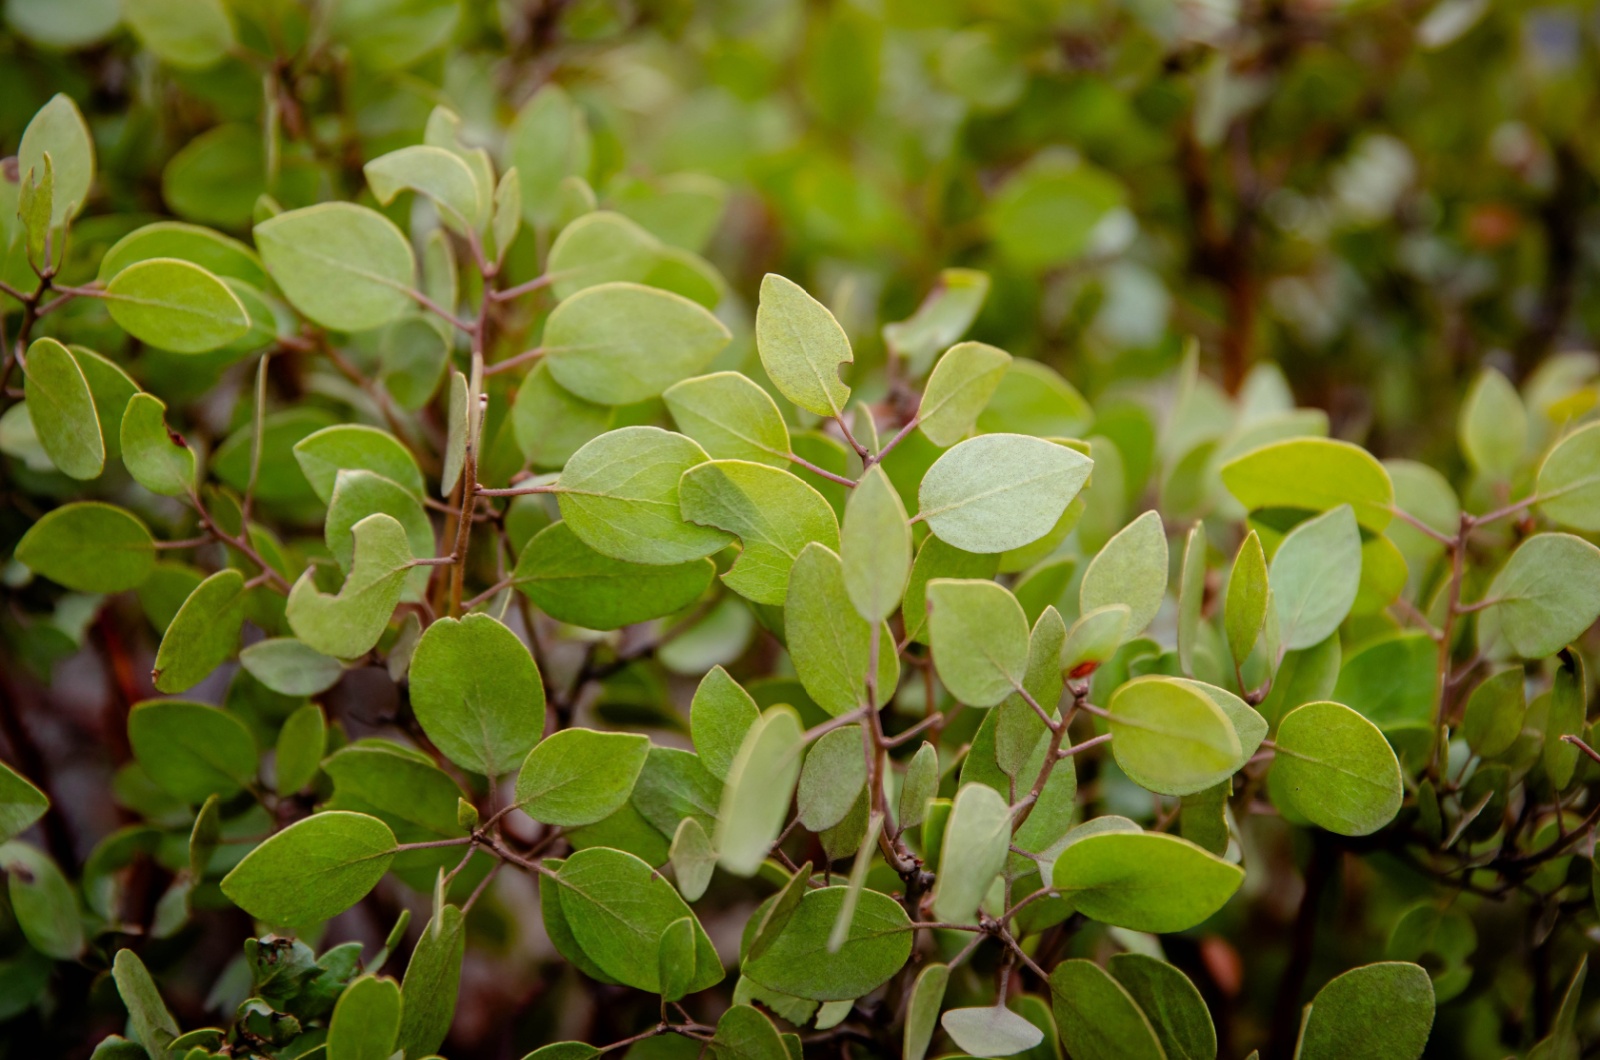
{"x":783,"y":528}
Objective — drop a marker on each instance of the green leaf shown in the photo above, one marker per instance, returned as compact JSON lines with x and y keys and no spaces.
{"x":618,"y":908}
{"x":90,"y":547}
{"x":943,"y":317}
{"x":152,"y":1024}
{"x":1337,"y":769}
{"x":203,"y":634}
{"x":218,"y":254}
{"x":190,"y":34}
{"x":548,"y":141}
{"x":1547,"y":593}
{"x":313,"y":870}
{"x":477,"y":693}
{"x":62,"y":408}
{"x":802,"y":347}
{"x":157,"y":457}
{"x":731,"y":417}
{"x":1170,"y":738}
{"x":833,"y":777}
{"x":693,"y":859}
{"x":618,"y":343}
{"x":761,"y":782}
{"x":175,"y":305}
{"x":345,"y":266}
{"x":1175,"y":1009}
{"x":601,"y":247}
{"x":799,"y":962}
{"x":192,"y":750}
{"x":959,"y":389}
{"x":977,"y":839}
{"x":290,"y":668}
{"x":743,"y":1033}
{"x":674,"y":785}
{"x":1565,"y":717}
{"x":1393,"y":681}
{"x":921,"y":784}
{"x":301,"y":744}
{"x":21,"y":804}
{"x":47,"y":23}
{"x":1246,"y":607}
{"x":1033,"y":399}
{"x":439,"y":174}
{"x":350,"y":446}
{"x":998,"y":492}
{"x":112,"y":388}
{"x":1569,"y":480}
{"x":1315,"y":576}
{"x":43,"y":903}
{"x":772,"y":512}
{"x":58,"y":129}
{"x":830,"y":644}
{"x":875,"y":547}
{"x":1191,"y":595}
{"x":990,"y":1031}
{"x":1493,"y":718}
{"x":458,"y":419}
{"x":619,"y":495}
{"x":580,"y":776}
{"x":1315,"y":474}
{"x":432,"y":981}
{"x":1493,"y":426}
{"x":359,"y":494}
{"x":979,"y":637}
{"x":1094,"y":639}
{"x":935,"y":559}
{"x":551,"y":424}
{"x":1098,"y":1018}
{"x":348,"y":624}
{"x":1131,"y":569}
{"x":365,"y":1021}
{"x":1379,"y":1011}
{"x":1047,"y":212}
{"x":571,"y":582}
{"x":1144,"y":881}
{"x":922,"y":1011}
{"x":719,"y":717}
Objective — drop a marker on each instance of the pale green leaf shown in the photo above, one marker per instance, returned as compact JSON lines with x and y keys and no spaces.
{"x":761,"y":781}
{"x":1493,"y":426}
{"x":998,"y":492}
{"x":175,"y":305}
{"x":576,"y":777}
{"x":203,"y":634}
{"x":345,"y":266}
{"x":190,"y":34}
{"x":772,"y":512}
{"x":1547,"y":593}
{"x":1170,"y":738}
{"x":731,"y":417}
{"x":977,"y":838}
{"x":439,"y":174}
{"x":990,"y":1031}
{"x":1315,"y":575}
{"x":571,"y":582}
{"x":875,"y":547}
{"x":63,"y":410}
{"x":619,"y":495}
{"x":1337,"y":769}
{"x":830,"y":644}
{"x":157,"y":458}
{"x":313,"y":870}
{"x":719,"y":717}
{"x":618,"y":343}
{"x":1144,"y":881}
{"x":802,"y":347}
{"x":960,"y":387}
{"x":1316,"y":474}
{"x":1131,"y":569}
{"x":979,"y":637}
{"x":477,"y":693}
{"x":348,"y":624}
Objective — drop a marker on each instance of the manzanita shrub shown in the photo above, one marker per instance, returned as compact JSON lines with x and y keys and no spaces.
{"x":583,"y":609}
